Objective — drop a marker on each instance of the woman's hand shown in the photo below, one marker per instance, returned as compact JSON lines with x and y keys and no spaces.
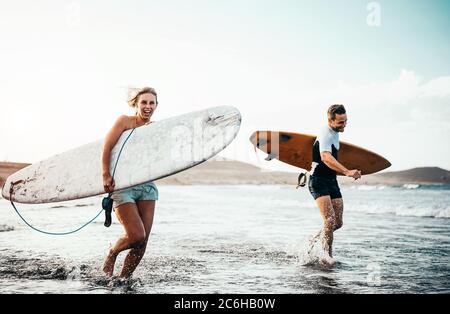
{"x":108,"y":183}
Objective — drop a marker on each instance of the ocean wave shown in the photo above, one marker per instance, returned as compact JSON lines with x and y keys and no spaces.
{"x":366,"y":187}
{"x":406,"y":186}
{"x":413,"y":211}
{"x":425,"y":212}
{"x":411,"y":186}
{"x":260,"y":187}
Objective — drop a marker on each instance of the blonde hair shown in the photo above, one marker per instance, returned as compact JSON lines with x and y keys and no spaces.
{"x":134,"y":93}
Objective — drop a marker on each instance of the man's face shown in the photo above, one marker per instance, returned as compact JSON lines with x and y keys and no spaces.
{"x":339,"y":123}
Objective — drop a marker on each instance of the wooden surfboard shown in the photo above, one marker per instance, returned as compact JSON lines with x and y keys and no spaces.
{"x":296,"y":149}
{"x":151,"y":152}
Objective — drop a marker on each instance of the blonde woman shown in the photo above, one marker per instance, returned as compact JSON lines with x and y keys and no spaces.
{"x":135,"y":206}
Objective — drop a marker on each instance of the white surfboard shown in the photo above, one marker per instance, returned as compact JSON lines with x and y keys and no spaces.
{"x":152,"y":152}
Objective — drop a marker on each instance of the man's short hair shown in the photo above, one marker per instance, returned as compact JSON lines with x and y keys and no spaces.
{"x":335,"y":109}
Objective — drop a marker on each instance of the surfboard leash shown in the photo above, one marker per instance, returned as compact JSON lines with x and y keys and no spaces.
{"x":106,"y":204}
{"x":54,"y":233}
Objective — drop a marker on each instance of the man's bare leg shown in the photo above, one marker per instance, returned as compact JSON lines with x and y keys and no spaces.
{"x":128,"y":215}
{"x":327,"y":212}
{"x":338,"y":206}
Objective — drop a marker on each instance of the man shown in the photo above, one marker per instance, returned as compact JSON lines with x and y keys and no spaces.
{"x":323,"y":184}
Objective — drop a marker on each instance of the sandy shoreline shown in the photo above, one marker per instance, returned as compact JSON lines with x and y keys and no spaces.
{"x":216,"y":172}
{"x":8,"y":168}
{"x":210,"y":172}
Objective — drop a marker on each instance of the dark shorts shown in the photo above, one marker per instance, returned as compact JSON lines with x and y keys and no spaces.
{"x":319,"y":186}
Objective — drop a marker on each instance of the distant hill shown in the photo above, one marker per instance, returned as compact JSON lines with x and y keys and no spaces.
{"x":422,"y":175}
{"x":236,"y":172}
{"x":209,"y":172}
{"x":229,"y":172}
{"x":8,"y":168}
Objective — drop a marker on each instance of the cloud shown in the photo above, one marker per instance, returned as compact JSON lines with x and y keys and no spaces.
{"x":407,"y":97}
{"x":439,"y":87}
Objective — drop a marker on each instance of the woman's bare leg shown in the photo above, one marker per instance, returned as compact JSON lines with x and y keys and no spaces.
{"x":135,"y":235}
{"x":146,"y":211}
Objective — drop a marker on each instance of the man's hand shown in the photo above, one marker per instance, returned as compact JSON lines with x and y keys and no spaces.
{"x":332,"y":163}
{"x":355,"y":174}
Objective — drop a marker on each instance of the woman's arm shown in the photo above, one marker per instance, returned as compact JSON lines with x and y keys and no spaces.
{"x":110,"y":140}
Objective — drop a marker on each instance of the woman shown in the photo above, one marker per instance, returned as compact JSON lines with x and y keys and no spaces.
{"x":135,"y":206}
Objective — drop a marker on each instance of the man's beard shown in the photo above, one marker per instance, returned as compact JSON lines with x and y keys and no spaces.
{"x":338,"y":129}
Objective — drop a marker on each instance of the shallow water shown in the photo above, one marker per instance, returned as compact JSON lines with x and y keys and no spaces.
{"x":238,"y":239}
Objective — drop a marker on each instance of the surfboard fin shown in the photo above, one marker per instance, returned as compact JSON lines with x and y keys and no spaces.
{"x":107,"y":204}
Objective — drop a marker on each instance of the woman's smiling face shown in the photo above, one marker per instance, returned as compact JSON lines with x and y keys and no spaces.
{"x":146,"y":105}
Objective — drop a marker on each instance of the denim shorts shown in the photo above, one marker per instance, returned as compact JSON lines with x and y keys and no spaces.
{"x":319,"y":186}
{"x":142,"y":192}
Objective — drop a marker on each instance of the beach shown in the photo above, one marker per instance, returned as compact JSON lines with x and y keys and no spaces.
{"x":226,"y":106}
{"x":221,"y":171}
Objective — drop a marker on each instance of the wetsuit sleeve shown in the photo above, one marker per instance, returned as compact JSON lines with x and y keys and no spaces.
{"x":325,"y":142}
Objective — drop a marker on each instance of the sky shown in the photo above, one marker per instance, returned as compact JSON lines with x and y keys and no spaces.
{"x":65,"y":68}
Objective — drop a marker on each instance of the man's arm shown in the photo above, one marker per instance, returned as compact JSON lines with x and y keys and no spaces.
{"x":332,"y":163}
